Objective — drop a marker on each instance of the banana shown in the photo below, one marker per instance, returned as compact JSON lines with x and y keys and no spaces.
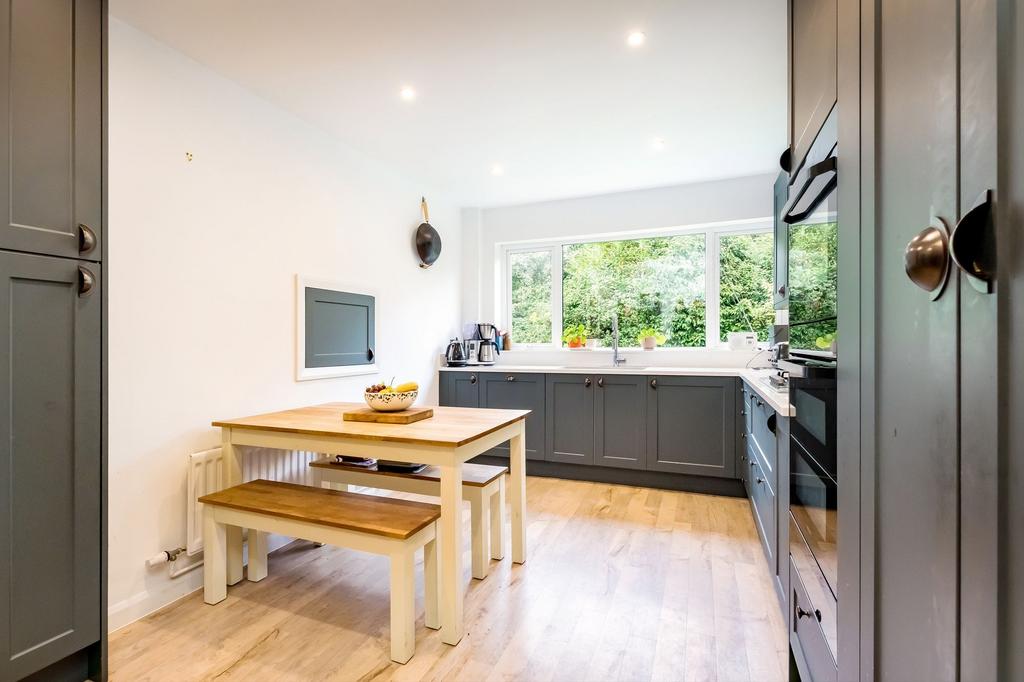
{"x":407,"y":386}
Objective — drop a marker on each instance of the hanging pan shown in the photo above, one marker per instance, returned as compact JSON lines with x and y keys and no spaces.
{"x":428,"y":241}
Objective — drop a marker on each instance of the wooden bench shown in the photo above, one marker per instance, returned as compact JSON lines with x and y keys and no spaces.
{"x":483,"y":486}
{"x":394,"y":528}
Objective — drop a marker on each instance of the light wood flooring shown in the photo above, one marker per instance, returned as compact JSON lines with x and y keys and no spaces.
{"x":621,"y":583}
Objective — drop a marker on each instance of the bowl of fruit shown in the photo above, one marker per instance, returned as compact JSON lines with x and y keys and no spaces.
{"x":391,"y":398}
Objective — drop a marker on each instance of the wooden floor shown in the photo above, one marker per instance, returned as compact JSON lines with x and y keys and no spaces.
{"x":621,"y":583}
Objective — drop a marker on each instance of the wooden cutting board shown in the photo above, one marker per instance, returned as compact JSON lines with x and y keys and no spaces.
{"x":366,"y":414}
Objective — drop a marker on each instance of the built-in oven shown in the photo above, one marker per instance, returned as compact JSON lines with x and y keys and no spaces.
{"x":813,"y":486}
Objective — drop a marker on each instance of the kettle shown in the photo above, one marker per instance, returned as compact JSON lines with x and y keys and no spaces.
{"x":455,"y":356}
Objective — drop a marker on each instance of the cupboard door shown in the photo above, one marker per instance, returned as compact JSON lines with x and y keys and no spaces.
{"x":51,"y":110}
{"x":464,"y":389}
{"x":780,"y":296}
{"x":620,"y":408}
{"x":517,"y":391}
{"x":915,"y":409}
{"x":691,"y":426}
{"x":813,"y":35}
{"x":50,"y":462}
{"x":570,"y":418}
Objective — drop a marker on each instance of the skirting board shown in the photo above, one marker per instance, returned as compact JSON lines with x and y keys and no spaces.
{"x":708,"y":485}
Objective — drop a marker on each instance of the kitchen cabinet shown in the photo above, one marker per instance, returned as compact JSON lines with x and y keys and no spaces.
{"x":50,"y":462}
{"x":691,"y":424}
{"x":761,"y":435}
{"x":460,"y":389}
{"x":763,"y":506}
{"x":780,"y":270}
{"x":620,"y":409}
{"x":570,"y":418}
{"x":51,"y":112}
{"x":813,"y":33}
{"x":517,"y":391}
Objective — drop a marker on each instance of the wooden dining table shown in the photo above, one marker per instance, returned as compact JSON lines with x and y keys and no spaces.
{"x":448,"y":439}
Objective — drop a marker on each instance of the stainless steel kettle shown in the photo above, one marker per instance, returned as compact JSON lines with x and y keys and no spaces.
{"x":456,"y":356}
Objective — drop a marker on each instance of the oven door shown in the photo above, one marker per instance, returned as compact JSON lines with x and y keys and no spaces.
{"x":814,"y":425}
{"x":813,"y":496}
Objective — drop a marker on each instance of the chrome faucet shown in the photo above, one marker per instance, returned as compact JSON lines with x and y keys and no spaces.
{"x":616,"y":360}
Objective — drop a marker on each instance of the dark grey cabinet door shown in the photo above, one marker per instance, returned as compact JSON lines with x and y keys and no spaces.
{"x":691,"y":426}
{"x":460,"y":389}
{"x":340,"y":328}
{"x":51,"y":115}
{"x":620,"y":408}
{"x":570,"y":418}
{"x":812,"y":35}
{"x":50,"y":462}
{"x":517,"y":391}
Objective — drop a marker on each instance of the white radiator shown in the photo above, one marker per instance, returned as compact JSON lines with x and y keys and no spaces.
{"x":204,"y":476}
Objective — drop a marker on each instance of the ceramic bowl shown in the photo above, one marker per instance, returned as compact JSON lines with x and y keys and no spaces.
{"x":390,"y":402}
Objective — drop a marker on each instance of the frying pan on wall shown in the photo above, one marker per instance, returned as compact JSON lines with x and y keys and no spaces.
{"x":428,"y":241}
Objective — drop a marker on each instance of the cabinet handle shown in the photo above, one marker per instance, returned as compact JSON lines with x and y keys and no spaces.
{"x":369,"y":354}
{"x":926,"y":258}
{"x":86,"y":239}
{"x":800,"y":613}
{"x":760,"y":480}
{"x":751,"y":464}
{"x":973,"y":244}
{"x":86,"y":282}
{"x":759,"y":403}
{"x":772,"y":423}
{"x":600,"y":382}
{"x":743,"y":413}
{"x":472,"y":378}
{"x":587,"y":382}
{"x":782,"y":290}
{"x":654,"y":384}
{"x":510,"y":377}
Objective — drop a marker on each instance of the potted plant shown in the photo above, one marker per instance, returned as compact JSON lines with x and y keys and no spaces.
{"x":649,"y":338}
{"x":575,"y":336}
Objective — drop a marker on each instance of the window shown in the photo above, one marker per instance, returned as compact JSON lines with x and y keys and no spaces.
{"x":688,"y":285}
{"x":745,"y":281}
{"x":531,"y":296}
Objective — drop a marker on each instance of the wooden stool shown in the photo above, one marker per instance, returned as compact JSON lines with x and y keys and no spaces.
{"x":395,"y":528}
{"x":483,"y":486}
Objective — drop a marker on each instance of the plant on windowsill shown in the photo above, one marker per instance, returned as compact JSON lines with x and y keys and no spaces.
{"x":650,"y":338}
{"x":575,"y":336}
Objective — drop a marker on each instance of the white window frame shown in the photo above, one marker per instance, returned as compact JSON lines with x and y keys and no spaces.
{"x":712,"y":271}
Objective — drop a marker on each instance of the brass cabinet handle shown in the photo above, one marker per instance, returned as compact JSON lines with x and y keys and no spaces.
{"x":86,"y":239}
{"x":926,"y":258}
{"x":86,"y":281}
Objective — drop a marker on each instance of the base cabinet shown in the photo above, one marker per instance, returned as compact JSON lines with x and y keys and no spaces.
{"x":517,"y":391}
{"x":620,"y":416}
{"x":570,"y":418}
{"x":460,"y":389}
{"x":50,"y":463}
{"x":691,"y":425}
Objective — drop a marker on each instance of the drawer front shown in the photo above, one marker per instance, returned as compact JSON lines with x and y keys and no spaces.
{"x":762,"y":500}
{"x":763,"y":432}
{"x":811,"y":650}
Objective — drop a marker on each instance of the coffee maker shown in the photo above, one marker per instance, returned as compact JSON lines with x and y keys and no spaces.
{"x":488,"y":351}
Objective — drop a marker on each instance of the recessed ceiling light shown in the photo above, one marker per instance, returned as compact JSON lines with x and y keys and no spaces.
{"x":658,"y":144}
{"x":407,"y":93}
{"x":636,"y":39}
{"x":497,"y":169}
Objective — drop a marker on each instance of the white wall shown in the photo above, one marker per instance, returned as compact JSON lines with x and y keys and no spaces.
{"x":202,"y":260}
{"x":735,"y":199}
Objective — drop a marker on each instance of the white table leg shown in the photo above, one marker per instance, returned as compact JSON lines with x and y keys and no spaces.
{"x":431,"y":615}
{"x":451,"y":554}
{"x":517,"y":476}
{"x":215,"y":587}
{"x":479,"y":515}
{"x":232,"y":476}
{"x":497,"y":503}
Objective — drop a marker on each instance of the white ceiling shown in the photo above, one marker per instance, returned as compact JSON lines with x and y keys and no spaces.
{"x":546,"y":88}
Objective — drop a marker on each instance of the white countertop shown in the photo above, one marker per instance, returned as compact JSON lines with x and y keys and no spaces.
{"x":756,"y":379}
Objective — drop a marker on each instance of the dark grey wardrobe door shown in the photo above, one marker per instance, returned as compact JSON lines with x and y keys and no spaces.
{"x":691,"y":426}
{"x":570,"y":418}
{"x":50,"y":468}
{"x":51,"y":115}
{"x":620,"y":410}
